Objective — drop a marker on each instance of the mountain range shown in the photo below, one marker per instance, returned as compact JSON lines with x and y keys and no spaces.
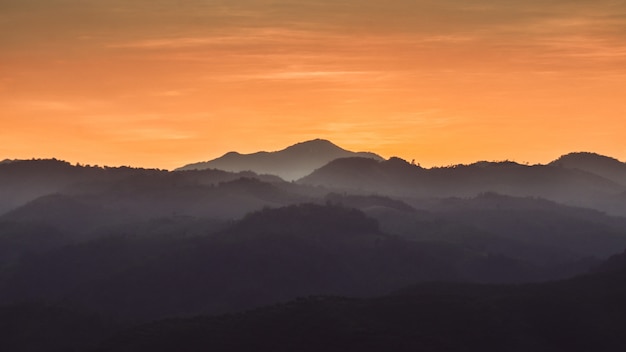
{"x":398,"y":178}
{"x":123,"y":259}
{"x":581,"y":179}
{"x":290,"y":163}
{"x":580,"y":314}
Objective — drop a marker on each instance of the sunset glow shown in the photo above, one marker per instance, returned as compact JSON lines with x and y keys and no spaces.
{"x":165,"y":83}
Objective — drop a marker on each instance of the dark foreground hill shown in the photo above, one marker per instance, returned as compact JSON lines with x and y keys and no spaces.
{"x":582,"y":314}
{"x":290,"y":163}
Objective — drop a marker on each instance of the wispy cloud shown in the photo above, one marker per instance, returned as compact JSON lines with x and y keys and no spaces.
{"x":138,"y":127}
{"x":49,"y":105}
{"x":239,"y":36}
{"x":173,"y":92}
{"x":369,"y":72}
{"x":311,"y":75}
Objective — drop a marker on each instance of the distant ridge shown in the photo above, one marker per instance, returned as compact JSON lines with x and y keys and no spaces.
{"x":291,"y":163}
{"x":607,"y":167}
{"x":23,"y":181}
{"x":396,"y":177}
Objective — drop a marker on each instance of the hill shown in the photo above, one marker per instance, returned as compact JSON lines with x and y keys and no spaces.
{"x":580,"y":314}
{"x":267,"y":257}
{"x":607,"y":167}
{"x":290,"y":163}
{"x":26,"y":180}
{"x":111,"y":248}
{"x":396,"y":177}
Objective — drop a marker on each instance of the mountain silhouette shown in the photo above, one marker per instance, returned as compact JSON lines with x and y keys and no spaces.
{"x":71,"y":215}
{"x":270,"y":256}
{"x":607,"y":167}
{"x":580,"y":314}
{"x":615,"y":263}
{"x":396,"y":177}
{"x":24,"y":181}
{"x":106,"y":249}
{"x":290,"y":163}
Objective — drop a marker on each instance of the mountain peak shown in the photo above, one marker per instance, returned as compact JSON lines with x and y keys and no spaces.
{"x":316,"y":141}
{"x":314,"y":146}
{"x":291,"y":163}
{"x":585,"y":157}
{"x":607,"y":167}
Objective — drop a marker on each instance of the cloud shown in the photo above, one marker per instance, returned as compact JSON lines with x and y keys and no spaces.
{"x":174,"y":93}
{"x":48,"y":105}
{"x":365,"y":69}
{"x":310,"y":75}
{"x":193,"y":30}
{"x":123,"y":127}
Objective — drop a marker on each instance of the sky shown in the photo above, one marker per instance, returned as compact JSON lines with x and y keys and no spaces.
{"x":156,"y":83}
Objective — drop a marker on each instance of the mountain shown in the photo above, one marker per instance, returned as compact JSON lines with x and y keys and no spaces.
{"x":532,"y":230}
{"x":149,"y":263}
{"x":26,"y":180}
{"x":580,"y":314}
{"x":607,"y":167}
{"x":30,"y":327}
{"x":290,"y":163}
{"x":532,"y":223}
{"x":396,"y":177}
{"x":68,"y":214}
{"x":270,"y":256}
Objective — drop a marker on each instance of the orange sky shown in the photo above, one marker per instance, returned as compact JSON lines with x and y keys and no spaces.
{"x":165,"y":83}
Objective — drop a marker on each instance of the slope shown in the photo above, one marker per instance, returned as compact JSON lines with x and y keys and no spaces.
{"x":290,"y":163}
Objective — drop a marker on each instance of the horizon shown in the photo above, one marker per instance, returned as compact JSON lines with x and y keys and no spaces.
{"x":417,"y":162}
{"x":168,"y":84}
